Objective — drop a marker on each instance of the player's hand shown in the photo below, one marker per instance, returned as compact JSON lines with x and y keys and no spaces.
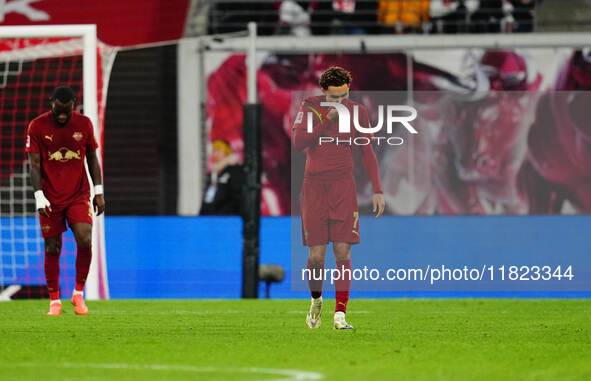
{"x":99,"y":204}
{"x":378,"y":204}
{"x":332,"y":114}
{"x":45,"y":211}
{"x":42,"y":203}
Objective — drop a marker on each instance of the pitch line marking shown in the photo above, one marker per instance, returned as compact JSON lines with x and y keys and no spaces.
{"x":288,"y":374}
{"x":210,"y":312}
{"x":351,"y":312}
{"x":7,"y":293}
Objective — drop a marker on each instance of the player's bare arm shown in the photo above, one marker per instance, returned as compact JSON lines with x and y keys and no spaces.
{"x":95,"y":173}
{"x":42,"y":204}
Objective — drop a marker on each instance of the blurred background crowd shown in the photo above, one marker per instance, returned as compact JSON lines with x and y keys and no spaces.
{"x":323,"y":17}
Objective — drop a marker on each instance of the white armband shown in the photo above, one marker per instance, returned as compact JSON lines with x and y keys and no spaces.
{"x":41,"y":202}
{"x":98,"y":189}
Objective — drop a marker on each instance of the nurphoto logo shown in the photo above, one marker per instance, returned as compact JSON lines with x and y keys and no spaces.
{"x":389,"y":118}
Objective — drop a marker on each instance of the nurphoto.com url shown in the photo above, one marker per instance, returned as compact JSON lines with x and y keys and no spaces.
{"x":433,"y":274}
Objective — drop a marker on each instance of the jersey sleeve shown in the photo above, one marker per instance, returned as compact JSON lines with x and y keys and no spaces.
{"x":91,"y":144}
{"x":301,"y":138}
{"x":368,"y":156}
{"x":364,"y":122}
{"x":32,"y":140}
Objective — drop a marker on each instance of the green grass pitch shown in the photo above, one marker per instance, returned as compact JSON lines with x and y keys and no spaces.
{"x":400,"y":339}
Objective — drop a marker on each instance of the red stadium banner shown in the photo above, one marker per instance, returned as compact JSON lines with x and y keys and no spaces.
{"x":119,"y":23}
{"x":500,"y":131}
{"x":11,"y":44}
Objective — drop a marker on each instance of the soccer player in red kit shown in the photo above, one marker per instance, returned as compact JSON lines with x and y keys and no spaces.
{"x":329,"y":197}
{"x":58,"y":141}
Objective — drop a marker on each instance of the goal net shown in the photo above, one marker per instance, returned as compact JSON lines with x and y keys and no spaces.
{"x":33,"y":61}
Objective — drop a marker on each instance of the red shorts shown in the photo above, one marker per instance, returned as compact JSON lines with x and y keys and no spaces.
{"x":329,"y":212}
{"x":77,"y":212}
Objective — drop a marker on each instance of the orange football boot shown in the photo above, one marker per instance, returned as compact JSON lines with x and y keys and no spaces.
{"x":55,"y":308}
{"x":79,"y":305}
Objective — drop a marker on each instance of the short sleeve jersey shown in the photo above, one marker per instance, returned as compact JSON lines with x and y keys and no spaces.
{"x":63,"y":150}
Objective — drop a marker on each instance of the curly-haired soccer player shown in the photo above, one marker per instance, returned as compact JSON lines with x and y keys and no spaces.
{"x":58,"y":142}
{"x":329,"y":198}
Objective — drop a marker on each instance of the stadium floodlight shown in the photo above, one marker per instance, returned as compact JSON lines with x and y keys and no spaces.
{"x":33,"y":60}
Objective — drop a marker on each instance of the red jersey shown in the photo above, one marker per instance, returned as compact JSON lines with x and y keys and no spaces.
{"x":330,"y":161}
{"x":63,"y":150}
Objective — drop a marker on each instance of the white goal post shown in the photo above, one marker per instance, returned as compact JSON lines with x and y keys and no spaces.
{"x":89,"y":42}
{"x":85,"y":44}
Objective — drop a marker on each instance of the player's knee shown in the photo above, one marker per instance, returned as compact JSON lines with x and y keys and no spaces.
{"x":315,"y":262}
{"x":83,"y":235}
{"x":84,"y":240}
{"x":342,"y":251}
{"x":316,"y":257}
{"x":342,"y":256}
{"x":53,"y":250}
{"x":53,"y":247}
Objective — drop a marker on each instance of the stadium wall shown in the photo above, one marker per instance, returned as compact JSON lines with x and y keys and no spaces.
{"x":160,"y":257}
{"x":168,"y":257}
{"x":140,"y":133}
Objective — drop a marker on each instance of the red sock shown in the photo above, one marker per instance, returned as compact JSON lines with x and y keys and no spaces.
{"x":52,"y":274}
{"x":83,"y":257}
{"x":342,"y":285}
{"x":315,"y":280}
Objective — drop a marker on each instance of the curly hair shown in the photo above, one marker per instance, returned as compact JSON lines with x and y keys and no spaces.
{"x":335,"y":76}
